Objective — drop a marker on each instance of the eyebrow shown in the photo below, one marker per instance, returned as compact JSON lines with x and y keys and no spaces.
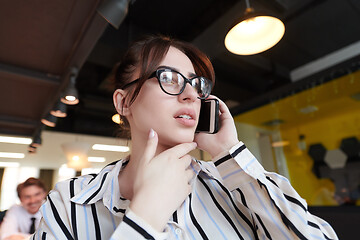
{"x":190,"y":74}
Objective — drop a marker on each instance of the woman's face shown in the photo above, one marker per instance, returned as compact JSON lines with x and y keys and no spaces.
{"x":174,"y":118}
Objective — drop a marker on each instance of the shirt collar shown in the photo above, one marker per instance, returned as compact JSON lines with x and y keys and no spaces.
{"x":198,"y":166}
{"x":105,"y":186}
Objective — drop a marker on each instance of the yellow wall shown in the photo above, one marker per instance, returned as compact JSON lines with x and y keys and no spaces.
{"x":328,"y":131}
{"x":337,"y":117}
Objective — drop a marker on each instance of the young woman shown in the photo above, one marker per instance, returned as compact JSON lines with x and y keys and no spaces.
{"x":159,"y":191}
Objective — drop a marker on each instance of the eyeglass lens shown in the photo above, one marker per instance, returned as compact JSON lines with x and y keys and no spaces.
{"x":173,"y":83}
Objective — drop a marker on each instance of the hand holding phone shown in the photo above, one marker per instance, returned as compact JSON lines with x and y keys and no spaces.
{"x":209,"y":116}
{"x":226,"y":133}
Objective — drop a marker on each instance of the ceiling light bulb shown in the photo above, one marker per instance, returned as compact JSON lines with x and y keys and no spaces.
{"x":254,"y":34}
{"x":73,"y":100}
{"x":70,"y":95}
{"x":76,"y":154}
{"x":117,"y":119}
{"x":70,"y":98}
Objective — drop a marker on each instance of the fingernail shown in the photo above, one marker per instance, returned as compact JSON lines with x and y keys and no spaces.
{"x":195,"y":144}
{"x":152,"y":133}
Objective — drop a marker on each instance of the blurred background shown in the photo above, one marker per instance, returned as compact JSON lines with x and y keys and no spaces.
{"x":296,"y":105}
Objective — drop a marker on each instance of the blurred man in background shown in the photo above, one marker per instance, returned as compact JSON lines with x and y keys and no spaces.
{"x":21,"y":221}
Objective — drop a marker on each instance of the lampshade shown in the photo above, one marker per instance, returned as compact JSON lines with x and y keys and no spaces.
{"x":114,"y":11}
{"x":36,"y":141}
{"x":59,"y":110}
{"x":49,"y":120}
{"x":254,"y":33}
{"x":31,"y":149}
{"x":70,"y":95}
{"x":76,"y":153}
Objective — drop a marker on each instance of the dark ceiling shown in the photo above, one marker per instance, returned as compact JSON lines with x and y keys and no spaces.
{"x":42,"y":40}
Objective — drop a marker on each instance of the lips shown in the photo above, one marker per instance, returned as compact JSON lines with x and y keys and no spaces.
{"x":185,"y":113}
{"x":186,"y":117}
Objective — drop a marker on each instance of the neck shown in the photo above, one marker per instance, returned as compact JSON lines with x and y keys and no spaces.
{"x":127,"y":176}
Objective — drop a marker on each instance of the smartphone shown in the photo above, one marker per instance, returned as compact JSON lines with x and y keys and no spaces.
{"x":209,"y":116}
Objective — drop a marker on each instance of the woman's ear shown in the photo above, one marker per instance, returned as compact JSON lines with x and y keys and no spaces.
{"x":120,"y":102}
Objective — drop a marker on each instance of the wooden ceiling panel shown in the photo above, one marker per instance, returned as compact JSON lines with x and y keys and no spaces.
{"x":24,"y":97}
{"x":40,"y":42}
{"x":43,"y":35}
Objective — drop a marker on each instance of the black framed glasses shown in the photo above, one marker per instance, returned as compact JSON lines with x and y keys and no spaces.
{"x":173,"y":83}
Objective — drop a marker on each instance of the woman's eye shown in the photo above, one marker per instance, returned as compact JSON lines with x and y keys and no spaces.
{"x":168,"y":78}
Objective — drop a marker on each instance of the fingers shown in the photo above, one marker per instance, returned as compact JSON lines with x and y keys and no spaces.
{"x":186,"y":160}
{"x":224,"y":110}
{"x":181,"y":149}
{"x":151,"y":146}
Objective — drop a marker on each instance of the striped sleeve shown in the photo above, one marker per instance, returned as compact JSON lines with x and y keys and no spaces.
{"x":277,"y":209}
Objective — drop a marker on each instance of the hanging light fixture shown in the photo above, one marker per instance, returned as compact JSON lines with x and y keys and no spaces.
{"x":71,"y":96}
{"x":114,"y":11}
{"x":77,"y":154}
{"x":254,"y":33}
{"x":36,"y":142}
{"x":59,"y":110}
{"x":49,"y":120}
{"x":31,"y":149}
{"x":117,"y":119}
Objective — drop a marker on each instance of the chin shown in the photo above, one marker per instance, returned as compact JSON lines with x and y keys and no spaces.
{"x":33,"y":211}
{"x":183,"y":136}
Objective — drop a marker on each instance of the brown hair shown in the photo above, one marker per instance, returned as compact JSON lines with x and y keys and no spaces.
{"x":30,"y":182}
{"x":146,"y":55}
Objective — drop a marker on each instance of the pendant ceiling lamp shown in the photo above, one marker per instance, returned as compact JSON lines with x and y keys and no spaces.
{"x":117,"y":119}
{"x":36,"y":141}
{"x":114,"y":11}
{"x":71,"y":96}
{"x":59,"y":110}
{"x":77,"y":154}
{"x":254,"y":33}
{"x":49,"y":120}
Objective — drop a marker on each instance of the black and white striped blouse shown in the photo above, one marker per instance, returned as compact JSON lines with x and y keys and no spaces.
{"x":232,"y":197}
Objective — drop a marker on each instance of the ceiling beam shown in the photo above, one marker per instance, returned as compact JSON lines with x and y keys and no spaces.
{"x":18,"y":122}
{"x":89,"y":34}
{"x":325,"y":62}
{"x":35,"y":75}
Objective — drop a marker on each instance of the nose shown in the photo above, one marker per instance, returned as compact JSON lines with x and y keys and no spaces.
{"x":32,"y":199}
{"x":189,"y":94}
